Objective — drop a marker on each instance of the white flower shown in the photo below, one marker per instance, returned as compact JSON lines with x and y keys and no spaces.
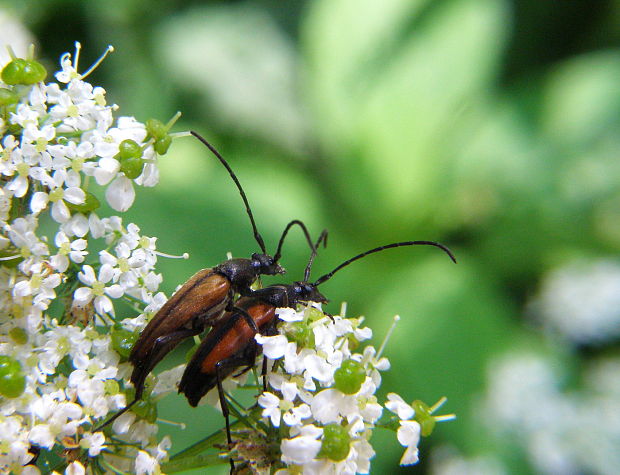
{"x":93,"y":442}
{"x":409,"y":436}
{"x":326,"y":405}
{"x":41,"y":286}
{"x":58,"y":195}
{"x":22,"y":234}
{"x":581,"y":302}
{"x":161,"y":451}
{"x":57,"y":419}
{"x":64,"y":133}
{"x":289,"y":315}
{"x":68,"y":250}
{"x":275,"y":408}
{"x":97,"y":289}
{"x":319,"y":368}
{"x":145,"y":464}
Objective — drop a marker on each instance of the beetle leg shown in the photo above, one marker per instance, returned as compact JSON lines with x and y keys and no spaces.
{"x":239,"y":312}
{"x":271,"y":330}
{"x":116,"y":416}
{"x":234,"y":362}
{"x":230,"y":305}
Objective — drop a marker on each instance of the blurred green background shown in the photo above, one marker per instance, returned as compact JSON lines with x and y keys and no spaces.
{"x":492,"y":126}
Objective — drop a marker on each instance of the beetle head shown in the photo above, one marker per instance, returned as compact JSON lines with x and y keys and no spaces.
{"x":307,"y":292}
{"x":266,"y":265}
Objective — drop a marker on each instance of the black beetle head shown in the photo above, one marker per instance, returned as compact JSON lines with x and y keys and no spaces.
{"x":266,"y":265}
{"x":307,"y":292}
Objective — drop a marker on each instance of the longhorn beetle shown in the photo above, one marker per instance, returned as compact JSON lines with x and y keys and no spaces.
{"x":203,"y":300}
{"x":231,"y":344}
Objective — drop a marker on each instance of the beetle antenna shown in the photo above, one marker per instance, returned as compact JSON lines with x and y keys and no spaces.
{"x":257,"y":235}
{"x":381,"y":248}
{"x":322,"y":238}
{"x":278,"y":254}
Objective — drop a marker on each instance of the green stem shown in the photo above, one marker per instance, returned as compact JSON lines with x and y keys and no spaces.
{"x":196,"y":461}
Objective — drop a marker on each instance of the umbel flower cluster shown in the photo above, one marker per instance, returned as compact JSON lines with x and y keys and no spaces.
{"x":78,"y":287}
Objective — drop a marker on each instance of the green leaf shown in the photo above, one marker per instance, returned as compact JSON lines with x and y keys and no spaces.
{"x":582,"y":100}
{"x":395,"y":84}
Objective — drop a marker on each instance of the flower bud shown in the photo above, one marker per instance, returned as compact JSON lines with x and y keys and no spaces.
{"x":12,"y":379}
{"x":336,"y":443}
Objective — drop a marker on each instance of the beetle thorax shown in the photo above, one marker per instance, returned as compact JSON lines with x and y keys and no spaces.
{"x":240,"y":272}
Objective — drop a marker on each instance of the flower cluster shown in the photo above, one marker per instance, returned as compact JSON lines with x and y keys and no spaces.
{"x":581,"y":302}
{"x":323,"y":400}
{"x":63,"y":266}
{"x":527,"y":391}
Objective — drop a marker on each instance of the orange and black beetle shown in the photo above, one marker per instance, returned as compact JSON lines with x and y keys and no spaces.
{"x":202,"y":301}
{"x":231,"y":345}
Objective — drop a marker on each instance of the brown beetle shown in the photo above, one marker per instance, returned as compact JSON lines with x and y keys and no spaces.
{"x":202,"y":301}
{"x":231,"y":344}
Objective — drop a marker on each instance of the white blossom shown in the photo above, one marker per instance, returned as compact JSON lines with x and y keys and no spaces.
{"x":62,"y":145}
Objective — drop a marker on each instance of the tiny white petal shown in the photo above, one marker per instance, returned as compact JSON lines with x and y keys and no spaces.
{"x":274,"y":347}
{"x":75,"y":468}
{"x":75,"y":195}
{"x":115,"y":291}
{"x":83,"y":296}
{"x":60,"y":212}
{"x":39,"y":202}
{"x":289,"y":315}
{"x":120,"y":194}
{"x":396,"y":404}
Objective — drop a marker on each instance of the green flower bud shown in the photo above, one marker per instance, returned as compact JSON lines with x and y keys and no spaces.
{"x":424,"y":417}
{"x":303,"y":335}
{"x":336,"y":443}
{"x":128,"y":149}
{"x":314,"y":314}
{"x":132,"y":167}
{"x":156,"y":129}
{"x":111,"y":387}
{"x":13,"y":72}
{"x":349,"y":377}
{"x":123,"y":341}
{"x":12,"y":379}
{"x":163,"y":144}
{"x":33,"y":72}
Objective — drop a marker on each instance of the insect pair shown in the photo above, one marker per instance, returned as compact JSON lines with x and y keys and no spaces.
{"x":207,"y":300}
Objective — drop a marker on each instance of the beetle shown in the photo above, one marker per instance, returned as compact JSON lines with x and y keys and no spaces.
{"x":203,"y":300}
{"x":231,"y":344}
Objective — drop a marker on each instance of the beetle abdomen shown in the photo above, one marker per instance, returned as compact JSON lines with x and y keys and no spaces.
{"x":230,"y":345}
